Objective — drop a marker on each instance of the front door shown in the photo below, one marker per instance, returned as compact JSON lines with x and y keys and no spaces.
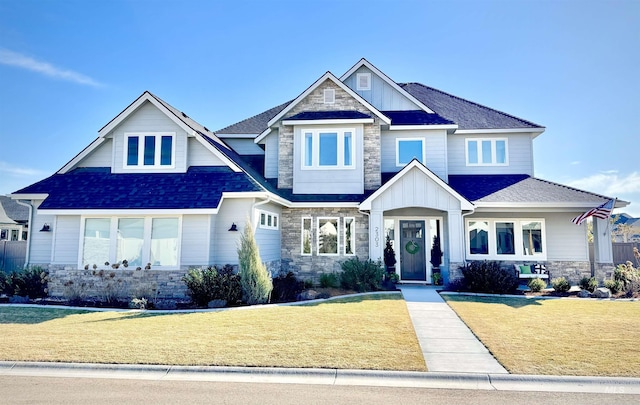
{"x":412,"y":256}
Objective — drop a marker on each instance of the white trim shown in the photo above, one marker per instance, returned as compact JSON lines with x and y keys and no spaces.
{"x":315,"y":148}
{"x":83,"y":154}
{"x":337,"y":219}
{"x":534,"y":131}
{"x":419,"y":127}
{"x":269,"y":216}
{"x":310,"y":219}
{"x":262,"y":135}
{"x":465,"y":205}
{"x":323,"y":205}
{"x":329,"y":122}
{"x":18,"y":196}
{"x":413,"y":139}
{"x":340,"y":84}
{"x":380,"y":74}
{"x":479,"y":151}
{"x":517,"y":240}
{"x":238,"y":136}
{"x":129,"y":212}
{"x":366,"y":87}
{"x":141,"y":150}
{"x":344,"y":237}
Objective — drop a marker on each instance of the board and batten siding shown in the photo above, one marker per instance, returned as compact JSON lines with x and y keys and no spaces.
{"x":148,"y":118}
{"x":102,"y":156}
{"x":520,"y":155}
{"x":195,"y":240}
{"x":268,"y":240}
{"x":66,"y":239}
{"x":329,"y":181}
{"x":199,"y":155}
{"x":382,"y":95}
{"x":435,"y":150}
{"x":41,"y":242}
{"x":271,"y":155}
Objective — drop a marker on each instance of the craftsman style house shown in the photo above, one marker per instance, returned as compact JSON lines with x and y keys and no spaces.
{"x":351,"y":161}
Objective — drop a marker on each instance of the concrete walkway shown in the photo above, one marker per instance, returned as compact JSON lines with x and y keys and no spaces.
{"x":447,"y":343}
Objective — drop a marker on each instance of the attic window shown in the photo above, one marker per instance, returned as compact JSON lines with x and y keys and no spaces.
{"x":149,"y":150}
{"x":363,"y":81}
{"x":329,"y":96}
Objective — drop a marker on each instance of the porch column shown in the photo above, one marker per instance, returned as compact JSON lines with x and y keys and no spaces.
{"x":456,"y":236}
{"x":602,"y":249}
{"x":376,"y":235}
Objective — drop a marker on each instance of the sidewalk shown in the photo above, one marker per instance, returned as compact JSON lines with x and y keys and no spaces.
{"x":447,"y":343}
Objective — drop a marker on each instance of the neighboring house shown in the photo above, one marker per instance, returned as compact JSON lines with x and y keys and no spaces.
{"x":625,"y":228}
{"x":325,"y":177}
{"x":14,"y":220}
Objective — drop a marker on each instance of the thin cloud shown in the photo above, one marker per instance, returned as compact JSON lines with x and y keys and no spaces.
{"x":11,"y":58}
{"x":575,"y":163}
{"x":609,"y":183}
{"x":15,"y":171}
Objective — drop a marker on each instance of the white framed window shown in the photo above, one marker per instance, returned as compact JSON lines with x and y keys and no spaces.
{"x":268,"y":220}
{"x":329,"y":96}
{"x":486,"y":151}
{"x":407,"y":149}
{"x":305,"y":247}
{"x":143,"y":150}
{"x":328,"y":148}
{"x":363,"y":81}
{"x":506,"y":239}
{"x":349,"y":236}
{"x":327,"y":239}
{"x":138,"y":240}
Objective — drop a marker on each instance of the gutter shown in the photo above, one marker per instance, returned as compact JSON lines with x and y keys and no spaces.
{"x":29,"y":234}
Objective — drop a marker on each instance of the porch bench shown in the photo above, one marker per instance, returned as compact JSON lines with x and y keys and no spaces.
{"x":528,"y":271}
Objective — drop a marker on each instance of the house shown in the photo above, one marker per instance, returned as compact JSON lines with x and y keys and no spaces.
{"x":625,"y":228}
{"x":350,"y":161}
{"x":14,"y":220}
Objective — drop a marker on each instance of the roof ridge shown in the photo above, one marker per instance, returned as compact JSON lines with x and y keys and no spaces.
{"x":470,"y":102}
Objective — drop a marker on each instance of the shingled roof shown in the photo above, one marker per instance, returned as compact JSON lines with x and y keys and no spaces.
{"x":13,"y":210}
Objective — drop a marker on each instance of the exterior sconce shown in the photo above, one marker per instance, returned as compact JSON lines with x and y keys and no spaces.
{"x":233,"y":228}
{"x":45,"y":228}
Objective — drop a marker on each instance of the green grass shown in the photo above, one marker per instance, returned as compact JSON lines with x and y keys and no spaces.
{"x":557,"y":337}
{"x":371,"y":332}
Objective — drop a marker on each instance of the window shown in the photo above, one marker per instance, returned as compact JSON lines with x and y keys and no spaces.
{"x":327,"y":236}
{"x":506,"y":239}
{"x":306,"y":236}
{"x":137,"y":240}
{"x":329,"y":96}
{"x":268,"y":220}
{"x":486,"y":152}
{"x":363,"y":81}
{"x":3,"y":234}
{"x":407,"y":149}
{"x":149,"y":150}
{"x":328,"y":149}
{"x":349,"y":236}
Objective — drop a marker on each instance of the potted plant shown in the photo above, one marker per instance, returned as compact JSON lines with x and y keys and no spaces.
{"x":436,"y":261}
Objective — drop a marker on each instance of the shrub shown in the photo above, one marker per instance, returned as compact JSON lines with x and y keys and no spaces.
{"x":589,"y":284}
{"x":3,"y":283}
{"x":30,"y":282}
{"x":329,"y":280}
{"x":560,"y":284}
{"x":212,"y":283}
{"x":255,"y":279}
{"x":488,"y":277}
{"x":614,"y":286}
{"x":286,"y":287}
{"x":536,"y":284}
{"x":361,"y":275}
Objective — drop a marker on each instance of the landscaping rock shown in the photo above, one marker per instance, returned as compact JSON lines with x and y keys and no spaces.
{"x":602,"y":293}
{"x":584,"y":294}
{"x":308,"y":295}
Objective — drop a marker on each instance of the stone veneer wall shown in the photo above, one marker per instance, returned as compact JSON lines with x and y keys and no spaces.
{"x":603,"y":271}
{"x":572,"y":271}
{"x":343,"y":102}
{"x":312,"y":266}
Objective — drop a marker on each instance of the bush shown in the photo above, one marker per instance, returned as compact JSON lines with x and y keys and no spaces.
{"x":30,"y":282}
{"x":361,"y":275}
{"x":329,"y":280}
{"x":286,"y":288}
{"x":536,"y":284}
{"x":614,"y":286}
{"x":589,"y":284}
{"x":3,"y":283}
{"x":255,"y":279}
{"x":560,"y":284}
{"x":212,"y":283}
{"x":488,"y":277}
{"x":626,"y":274}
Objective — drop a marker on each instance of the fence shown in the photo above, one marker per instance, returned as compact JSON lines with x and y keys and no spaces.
{"x":622,"y":252}
{"x":12,"y":255}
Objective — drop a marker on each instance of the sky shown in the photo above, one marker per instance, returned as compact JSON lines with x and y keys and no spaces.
{"x":68,"y":67}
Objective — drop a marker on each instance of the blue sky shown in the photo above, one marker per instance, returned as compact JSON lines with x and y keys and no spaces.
{"x":68,"y":67}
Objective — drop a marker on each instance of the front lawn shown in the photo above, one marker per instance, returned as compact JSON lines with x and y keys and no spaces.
{"x":371,"y":332}
{"x":556,"y":337}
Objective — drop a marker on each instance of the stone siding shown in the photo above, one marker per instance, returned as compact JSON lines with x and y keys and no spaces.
{"x":603,"y":271}
{"x":312,"y":266}
{"x":343,"y":102}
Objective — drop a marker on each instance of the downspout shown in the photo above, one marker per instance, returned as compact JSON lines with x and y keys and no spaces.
{"x":464,"y":236}
{"x":28,"y":253}
{"x":253,"y":210}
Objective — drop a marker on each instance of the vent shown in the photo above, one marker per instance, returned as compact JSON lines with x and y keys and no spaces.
{"x":363,"y":81}
{"x":329,"y":96}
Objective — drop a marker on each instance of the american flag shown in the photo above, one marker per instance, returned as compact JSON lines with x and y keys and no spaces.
{"x":603,"y":211}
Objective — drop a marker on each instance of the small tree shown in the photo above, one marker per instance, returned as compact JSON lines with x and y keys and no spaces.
{"x":254,"y":277}
{"x":389,"y":256}
{"x":436,"y":253}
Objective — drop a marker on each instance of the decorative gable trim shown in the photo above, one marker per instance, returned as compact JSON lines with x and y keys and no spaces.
{"x":465,"y":204}
{"x":387,"y":79}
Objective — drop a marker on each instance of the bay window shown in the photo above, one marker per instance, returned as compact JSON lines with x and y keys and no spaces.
{"x":505,"y":239}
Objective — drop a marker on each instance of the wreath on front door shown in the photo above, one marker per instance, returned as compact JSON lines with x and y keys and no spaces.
{"x":412,"y":247}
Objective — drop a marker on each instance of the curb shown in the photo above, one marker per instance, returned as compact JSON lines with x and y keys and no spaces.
{"x":406,"y":379}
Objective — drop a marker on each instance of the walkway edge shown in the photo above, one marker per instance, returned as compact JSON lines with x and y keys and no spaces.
{"x":467,"y":381}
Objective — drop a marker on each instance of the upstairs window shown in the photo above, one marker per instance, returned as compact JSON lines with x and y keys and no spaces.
{"x":149,"y":150}
{"x":486,"y":152}
{"x":408,"y":149}
{"x":328,"y":149}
